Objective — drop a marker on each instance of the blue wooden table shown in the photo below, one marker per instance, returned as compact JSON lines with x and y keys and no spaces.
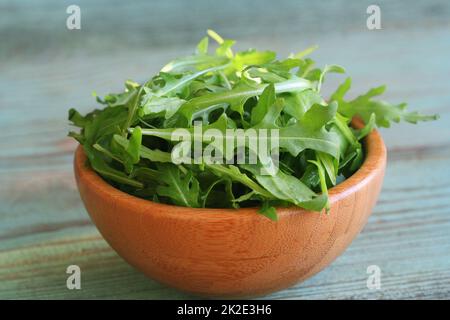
{"x":46,"y":69}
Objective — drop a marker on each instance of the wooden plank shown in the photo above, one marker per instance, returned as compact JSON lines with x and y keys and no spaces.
{"x":43,"y":225}
{"x":413,"y":235}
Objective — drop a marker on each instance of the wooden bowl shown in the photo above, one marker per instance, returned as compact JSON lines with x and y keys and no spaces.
{"x":228,"y":252}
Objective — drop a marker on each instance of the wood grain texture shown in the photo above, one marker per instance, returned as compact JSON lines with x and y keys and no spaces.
{"x":45,"y":69}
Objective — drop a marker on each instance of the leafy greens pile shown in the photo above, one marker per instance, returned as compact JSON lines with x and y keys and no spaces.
{"x":128,"y":141}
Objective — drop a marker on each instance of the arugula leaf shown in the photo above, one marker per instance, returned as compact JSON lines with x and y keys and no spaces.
{"x":328,"y":69}
{"x":236,"y":97}
{"x":370,"y":125}
{"x":202,"y":47}
{"x":235,"y":174}
{"x":305,"y":52}
{"x":132,"y":151}
{"x":144,"y":152}
{"x":216,"y":197}
{"x":330,"y":165}
{"x":152,"y":104}
{"x":76,"y":118}
{"x":266,"y":100}
{"x":268,"y":211}
{"x":252,"y":57}
{"x":174,"y":84}
{"x":282,"y":186}
{"x":309,"y":133}
{"x":298,"y":103}
{"x":225,"y":45}
{"x":128,"y":141}
{"x":323,"y":183}
{"x":194,"y":63}
{"x":99,"y":165}
{"x":182,"y":190}
{"x":385,"y":113}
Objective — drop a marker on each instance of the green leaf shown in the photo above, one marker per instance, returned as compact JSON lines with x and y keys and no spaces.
{"x":266,"y":100}
{"x":252,"y":57}
{"x":144,"y":152}
{"x":181,"y":189}
{"x":330,"y":165}
{"x":268,"y":211}
{"x":225,"y":48}
{"x":214,"y":35}
{"x":385,"y":113}
{"x":317,"y":204}
{"x":305,"y":52}
{"x":132,"y":107}
{"x":100,"y":166}
{"x":76,"y":118}
{"x":323,"y":183}
{"x":224,"y":45}
{"x":133,"y":149}
{"x":216,"y":197}
{"x":282,"y":186}
{"x":120,"y":99}
{"x":174,"y":84}
{"x":105,"y":124}
{"x":299,"y":137}
{"x":202,"y":47}
{"x":236,"y":97}
{"x":318,"y":116}
{"x":235,"y":174}
{"x":152,"y":104}
{"x":145,"y":174}
{"x":245,"y":197}
{"x":368,"y":127}
{"x":129,"y":140}
{"x":265,"y":75}
{"x":328,"y":69}
{"x":167,"y":133}
{"x":340,"y":92}
{"x":194,"y":63}
{"x":298,"y":103}
{"x":306,"y":70}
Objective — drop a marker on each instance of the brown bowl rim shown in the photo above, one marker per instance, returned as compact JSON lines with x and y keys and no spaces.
{"x":374,"y":161}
